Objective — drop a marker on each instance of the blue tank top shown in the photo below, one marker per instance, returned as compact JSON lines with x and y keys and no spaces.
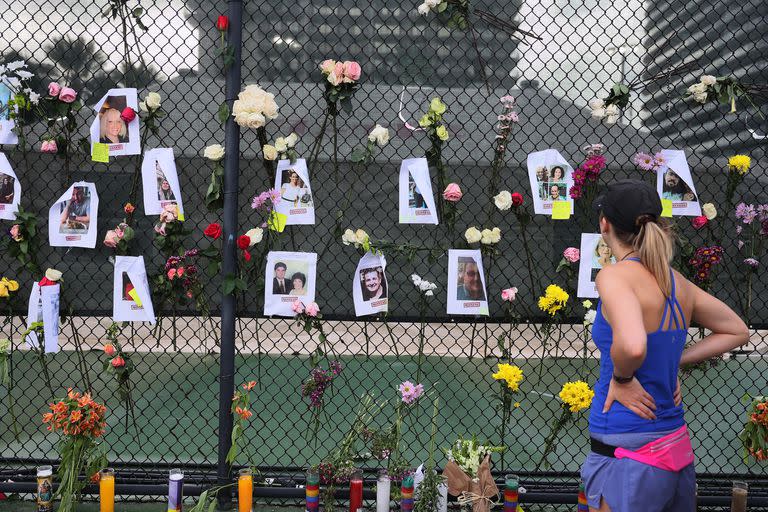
{"x":657,"y":374}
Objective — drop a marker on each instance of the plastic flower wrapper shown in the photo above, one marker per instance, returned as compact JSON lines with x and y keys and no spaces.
{"x":575,"y":397}
{"x":468,"y":473}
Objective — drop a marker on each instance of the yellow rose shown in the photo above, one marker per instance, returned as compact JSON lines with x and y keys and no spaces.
{"x":442,"y":133}
{"x":437,"y":106}
{"x":426,"y":120}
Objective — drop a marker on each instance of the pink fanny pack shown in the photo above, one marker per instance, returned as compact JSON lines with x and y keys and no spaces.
{"x":672,"y":452}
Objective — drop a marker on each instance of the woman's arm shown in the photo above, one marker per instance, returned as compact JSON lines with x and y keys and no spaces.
{"x":728,"y":330}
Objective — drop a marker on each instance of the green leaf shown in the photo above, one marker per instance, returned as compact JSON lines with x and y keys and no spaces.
{"x":241,"y":284}
{"x":228,"y":284}
{"x":138,"y":11}
{"x":223,"y":113}
{"x":358,"y":154}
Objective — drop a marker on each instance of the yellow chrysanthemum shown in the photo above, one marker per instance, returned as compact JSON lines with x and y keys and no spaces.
{"x":553,"y":300}
{"x":739,"y":163}
{"x":510,"y":373}
{"x":10,"y":284}
{"x":576,"y":395}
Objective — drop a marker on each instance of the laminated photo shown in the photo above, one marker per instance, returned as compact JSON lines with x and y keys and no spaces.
{"x":370,"y":289}
{"x":595,"y":254}
{"x":551,"y":178}
{"x":466,"y":283}
{"x":160,"y":181}
{"x":10,"y":190}
{"x":131,"y":300}
{"x":44,"y":307}
{"x":7,"y":135}
{"x":675,"y":183}
{"x":289,"y":276}
{"x":296,"y":201}
{"x":417,"y":204}
{"x":72,"y":219}
{"x":109,"y":128}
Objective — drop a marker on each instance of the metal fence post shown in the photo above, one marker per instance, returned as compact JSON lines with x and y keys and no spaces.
{"x":229,"y":263}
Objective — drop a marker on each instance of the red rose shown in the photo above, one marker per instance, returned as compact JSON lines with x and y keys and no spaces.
{"x":243,"y":242}
{"x":699,"y":222}
{"x":118,"y":362}
{"x":128,"y":114}
{"x":517,"y":199}
{"x":246,"y":256}
{"x":222,"y":24}
{"x":213,"y":230}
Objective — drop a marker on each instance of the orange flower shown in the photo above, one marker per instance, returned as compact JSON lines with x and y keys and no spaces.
{"x":250,"y":385}
{"x":47,"y":417}
{"x":243,"y":413}
{"x":75,"y":416}
{"x":129,"y":208}
{"x":95,"y":478}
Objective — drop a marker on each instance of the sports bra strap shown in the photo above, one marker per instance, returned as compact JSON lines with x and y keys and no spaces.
{"x":671,"y":304}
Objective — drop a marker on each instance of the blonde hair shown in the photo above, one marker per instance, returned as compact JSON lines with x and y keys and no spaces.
{"x":655,"y":244}
{"x":103,"y":123}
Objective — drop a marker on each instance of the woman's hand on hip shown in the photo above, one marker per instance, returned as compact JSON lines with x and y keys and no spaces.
{"x":632,"y":396}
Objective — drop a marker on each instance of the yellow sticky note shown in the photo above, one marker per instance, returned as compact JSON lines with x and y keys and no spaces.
{"x":277,"y":221}
{"x":100,"y":152}
{"x":561,"y":210}
{"x":666,"y":207}
{"x":179,"y":214}
{"x":135,"y":296}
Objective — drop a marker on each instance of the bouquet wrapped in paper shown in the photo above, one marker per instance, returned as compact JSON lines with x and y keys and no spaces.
{"x":468,"y":474}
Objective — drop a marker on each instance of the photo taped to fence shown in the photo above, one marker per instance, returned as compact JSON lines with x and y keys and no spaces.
{"x":290,"y":276}
{"x":296,"y":200}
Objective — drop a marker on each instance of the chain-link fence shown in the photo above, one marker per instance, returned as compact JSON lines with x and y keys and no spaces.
{"x":574,"y":52}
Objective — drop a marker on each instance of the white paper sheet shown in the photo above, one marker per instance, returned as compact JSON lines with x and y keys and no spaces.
{"x":417,"y":203}
{"x":130,"y":273}
{"x":67,"y":226}
{"x":466,"y":283}
{"x":128,"y":138}
{"x":296,"y":199}
{"x":595,"y":254}
{"x":43,"y":307}
{"x":370,"y":288}
{"x":282,"y":288}
{"x":674,"y":182}
{"x":7,"y":135}
{"x":551,"y":179}
{"x":160,"y":181}
{"x":9,"y":185}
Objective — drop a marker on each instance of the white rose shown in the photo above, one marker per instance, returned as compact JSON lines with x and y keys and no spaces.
{"x":348,"y":237}
{"x":152,"y":100}
{"x":333,"y":79}
{"x":708,"y":80}
{"x":143,"y":107}
{"x":432,"y":3}
{"x":709,"y":211}
{"x":281,"y":145}
{"x":415,"y":279}
{"x":214,"y":152}
{"x":612,"y":110}
{"x":423,"y":9}
{"x":361,"y":236}
{"x":596,"y":103}
{"x":291,"y":140}
{"x":256,"y":235}
{"x":609,"y":120}
{"x":270,"y":106}
{"x":697,"y":88}
{"x":598,"y":113}
{"x":701,"y":97}
{"x":472,"y":235}
{"x":52,"y":274}
{"x":490,"y":236}
{"x":589,"y":318}
{"x":503,"y":200}
{"x":270,"y":153}
{"x":380,"y":135}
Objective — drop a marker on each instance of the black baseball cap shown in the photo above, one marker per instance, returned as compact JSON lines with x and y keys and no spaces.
{"x":622,"y":202}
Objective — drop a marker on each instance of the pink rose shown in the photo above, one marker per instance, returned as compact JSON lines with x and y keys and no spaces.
{"x":160,"y":229}
{"x":297,"y":307}
{"x":572,"y":254}
{"x":700,"y":221}
{"x":49,"y":146}
{"x":67,"y":95}
{"x":509,"y":294}
{"x":111,"y":239}
{"x":128,"y":114}
{"x":171,"y":273}
{"x":119,"y":232}
{"x":352,"y":71}
{"x":16,"y":233}
{"x":54,"y":89}
{"x":327,"y":66}
{"x":452,"y":193}
{"x":180,"y":271}
{"x":312,"y":309}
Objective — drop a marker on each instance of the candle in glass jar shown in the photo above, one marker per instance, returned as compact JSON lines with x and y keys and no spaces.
{"x":356,"y":491}
{"x":739,"y":497}
{"x":511,"y":484}
{"x":45,"y":489}
{"x":406,"y":494}
{"x":107,"y":490}
{"x":383,"y":485}
{"x":582,"y":506}
{"x":244,"y":490}
{"x":313,"y":490}
{"x":175,"y":490}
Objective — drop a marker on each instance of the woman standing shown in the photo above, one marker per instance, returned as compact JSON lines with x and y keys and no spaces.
{"x":641,"y":455}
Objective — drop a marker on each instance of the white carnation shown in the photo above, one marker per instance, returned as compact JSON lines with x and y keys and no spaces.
{"x":490,"y":236}
{"x":709,"y":211}
{"x":425,"y":286}
{"x":589,"y":318}
{"x":596,"y":103}
{"x":598,"y":113}
{"x":423,"y":9}
{"x":415,"y":279}
{"x":708,"y":80}
{"x":472,"y":235}
{"x":428,"y":293}
{"x":379,"y":134}
{"x":348,"y":237}
{"x":612,"y":110}
{"x":214,"y":152}
{"x":503,"y":200}
{"x":256,"y":235}
{"x":609,"y":120}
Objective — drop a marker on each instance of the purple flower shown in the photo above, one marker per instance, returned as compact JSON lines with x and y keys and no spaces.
{"x":644,"y":161}
{"x":762,"y":212}
{"x":410,"y":392}
{"x":746,"y":212}
{"x":752,"y":262}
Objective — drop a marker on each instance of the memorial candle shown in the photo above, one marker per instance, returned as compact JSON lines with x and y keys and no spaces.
{"x":582,"y":506}
{"x":244,"y":490}
{"x":313,"y":490}
{"x":175,"y":490}
{"x":406,"y":494}
{"x":739,"y":497}
{"x":356,"y":491}
{"x":45,"y":489}
{"x":107,"y":490}
{"x":511,"y":484}
{"x":383,"y":485}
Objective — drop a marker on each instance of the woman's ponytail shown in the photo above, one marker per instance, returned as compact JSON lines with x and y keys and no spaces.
{"x":655,"y":245}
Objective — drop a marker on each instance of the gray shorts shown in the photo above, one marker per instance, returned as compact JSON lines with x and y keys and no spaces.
{"x":629,"y":486}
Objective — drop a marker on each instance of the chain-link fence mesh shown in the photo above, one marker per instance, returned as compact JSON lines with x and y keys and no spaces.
{"x":406,"y":60}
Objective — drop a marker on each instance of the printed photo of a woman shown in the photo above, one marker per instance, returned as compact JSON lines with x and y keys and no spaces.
{"x":164,"y":192}
{"x":6,"y":188}
{"x":415,"y":197}
{"x":112,"y":128}
{"x":374,"y":284}
{"x":557,"y":173}
{"x":299,"y":282}
{"x":675,"y":189}
{"x":603,"y":255}
{"x":294,"y":191}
